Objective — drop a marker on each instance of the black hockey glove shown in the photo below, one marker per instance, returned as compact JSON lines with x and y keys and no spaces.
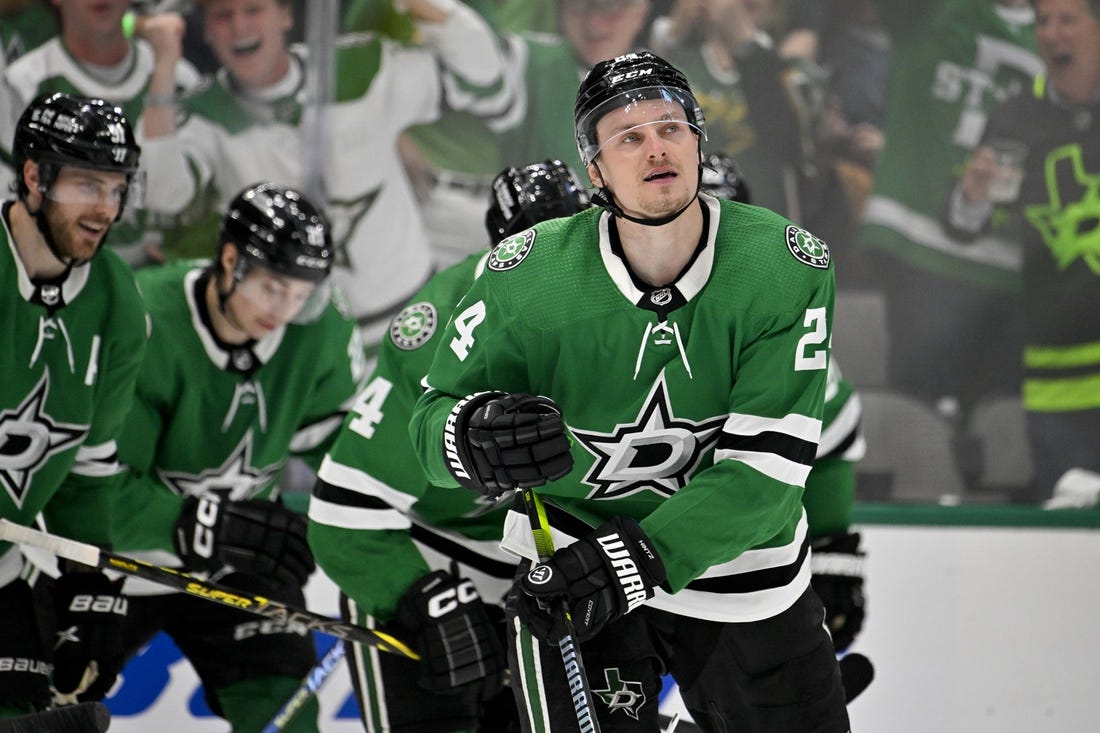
{"x":255,"y":536}
{"x":496,"y":442}
{"x":88,"y":650}
{"x":837,"y":565}
{"x":457,"y":642}
{"x":603,"y":577}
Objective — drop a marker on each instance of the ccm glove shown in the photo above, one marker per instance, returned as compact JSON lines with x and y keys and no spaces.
{"x":837,"y":565}
{"x":496,"y":442}
{"x":256,"y":536}
{"x":602,"y":578}
{"x":457,"y":642}
{"x":88,"y":651}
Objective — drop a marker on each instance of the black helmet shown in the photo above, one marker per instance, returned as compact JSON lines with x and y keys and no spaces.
{"x":522,"y":197}
{"x":63,"y":129}
{"x":279,"y":229}
{"x":723,"y":179}
{"x":621,"y":81}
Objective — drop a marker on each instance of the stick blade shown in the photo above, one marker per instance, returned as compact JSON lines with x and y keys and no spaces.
{"x":87,"y":717}
{"x":856,"y":673}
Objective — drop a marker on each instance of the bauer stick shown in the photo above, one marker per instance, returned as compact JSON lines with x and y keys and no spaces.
{"x":575,"y":675}
{"x":260,"y":605}
{"x":309,"y":687}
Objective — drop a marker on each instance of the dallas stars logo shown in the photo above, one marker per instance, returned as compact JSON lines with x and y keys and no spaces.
{"x":622,"y":695}
{"x":28,"y":437}
{"x":807,"y":248}
{"x":657,"y":452}
{"x":1070,"y":228}
{"x":236,"y":478}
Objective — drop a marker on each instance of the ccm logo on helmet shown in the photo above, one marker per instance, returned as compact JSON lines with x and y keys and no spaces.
{"x":632,"y":74}
{"x":313,"y":263}
{"x":443,"y":603}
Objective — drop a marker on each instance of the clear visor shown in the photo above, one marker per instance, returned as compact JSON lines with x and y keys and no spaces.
{"x":630,"y":111}
{"x":93,"y":187}
{"x":284,"y":299}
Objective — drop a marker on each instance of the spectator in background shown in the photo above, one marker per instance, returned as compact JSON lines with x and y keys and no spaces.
{"x":855,"y":58}
{"x":954,"y":332}
{"x":95,"y":55}
{"x":460,"y":154}
{"x":1040,"y":159}
{"x":255,"y":121}
{"x":760,"y":108}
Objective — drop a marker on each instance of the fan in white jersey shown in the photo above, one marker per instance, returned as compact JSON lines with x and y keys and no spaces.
{"x":257,"y":120}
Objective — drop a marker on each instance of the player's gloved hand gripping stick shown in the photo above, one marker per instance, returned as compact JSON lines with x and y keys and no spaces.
{"x":497,"y":442}
{"x":261,"y":606}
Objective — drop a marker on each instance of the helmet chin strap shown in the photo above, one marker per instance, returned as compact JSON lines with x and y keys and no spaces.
{"x":223,"y":300}
{"x":39,"y":217}
{"x":605,"y":198}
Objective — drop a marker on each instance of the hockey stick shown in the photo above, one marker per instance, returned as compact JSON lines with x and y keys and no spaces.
{"x":575,"y":675}
{"x":261,"y":606}
{"x":856,"y":673}
{"x":87,"y":717}
{"x":310,"y":685}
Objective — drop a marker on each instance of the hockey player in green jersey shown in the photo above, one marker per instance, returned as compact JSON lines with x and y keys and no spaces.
{"x":73,"y":338}
{"x":248,"y":363}
{"x":685,"y":342}
{"x":391,"y":541}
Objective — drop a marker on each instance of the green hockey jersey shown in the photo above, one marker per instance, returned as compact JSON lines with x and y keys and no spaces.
{"x":70,"y":351}
{"x":373,"y":516}
{"x":951,"y":63}
{"x":695,"y":407}
{"x":213,"y":418}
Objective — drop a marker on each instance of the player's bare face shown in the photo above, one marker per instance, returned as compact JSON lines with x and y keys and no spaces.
{"x":248,"y":38}
{"x":648,"y":157}
{"x":81,"y":206}
{"x":1067,"y":37}
{"x":94,"y":18}
{"x":264,"y":301}
{"x":602,"y":29}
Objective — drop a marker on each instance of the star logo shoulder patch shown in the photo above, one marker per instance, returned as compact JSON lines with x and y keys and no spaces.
{"x":657,"y":452}
{"x":806,"y":248}
{"x":510,"y":252}
{"x":412,"y":327}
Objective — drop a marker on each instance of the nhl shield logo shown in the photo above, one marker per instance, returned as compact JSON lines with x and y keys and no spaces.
{"x":512,"y":251}
{"x":807,"y":248}
{"x":413,"y":326}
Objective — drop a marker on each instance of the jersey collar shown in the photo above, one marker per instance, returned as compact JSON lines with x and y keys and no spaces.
{"x":54,"y":294}
{"x":689,"y":283}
